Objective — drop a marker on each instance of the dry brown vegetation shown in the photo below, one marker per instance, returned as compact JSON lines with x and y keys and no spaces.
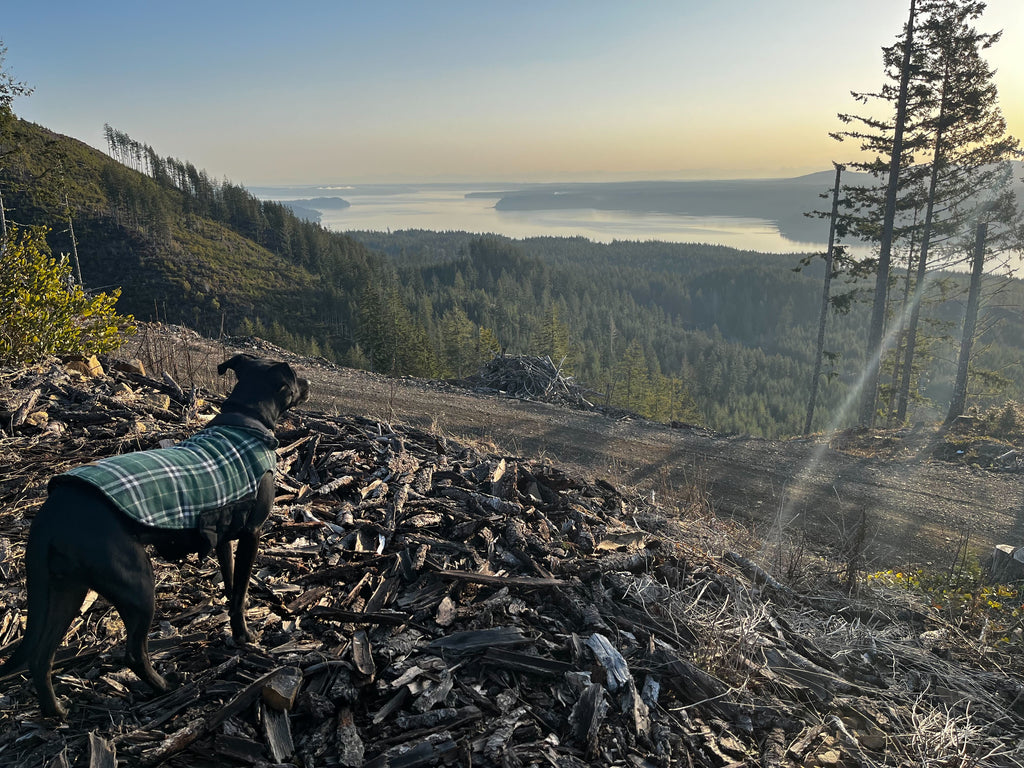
{"x":423,"y":601}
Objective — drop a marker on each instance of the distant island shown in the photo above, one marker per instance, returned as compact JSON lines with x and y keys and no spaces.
{"x":310,"y":209}
{"x":324,"y":203}
{"x":783,"y":201}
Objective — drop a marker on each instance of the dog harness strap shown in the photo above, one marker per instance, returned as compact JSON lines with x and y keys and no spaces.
{"x":171,"y":487}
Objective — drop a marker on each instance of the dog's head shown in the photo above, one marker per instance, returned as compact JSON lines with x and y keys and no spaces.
{"x":265,"y":388}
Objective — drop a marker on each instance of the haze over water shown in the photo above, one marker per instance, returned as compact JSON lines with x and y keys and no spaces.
{"x":446,"y":208}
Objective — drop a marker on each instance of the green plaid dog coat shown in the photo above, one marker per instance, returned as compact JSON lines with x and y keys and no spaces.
{"x":170,"y":488}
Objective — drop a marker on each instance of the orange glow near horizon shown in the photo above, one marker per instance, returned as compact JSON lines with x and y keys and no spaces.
{"x":394,"y":92}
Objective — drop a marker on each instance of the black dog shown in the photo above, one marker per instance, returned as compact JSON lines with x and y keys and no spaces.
{"x":92,"y":530}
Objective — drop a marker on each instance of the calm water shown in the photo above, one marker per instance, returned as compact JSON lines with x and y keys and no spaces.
{"x":447,"y":208}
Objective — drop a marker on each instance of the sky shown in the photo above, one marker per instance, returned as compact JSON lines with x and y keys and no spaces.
{"x":324,"y":92}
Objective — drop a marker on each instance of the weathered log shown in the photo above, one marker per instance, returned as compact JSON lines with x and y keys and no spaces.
{"x":101,"y":752}
{"x":282,"y":689}
{"x":476,"y":641}
{"x":611,"y":661}
{"x":1006,"y":564}
{"x":277,"y":732}
{"x":587,"y":716}
{"x":351,"y":749}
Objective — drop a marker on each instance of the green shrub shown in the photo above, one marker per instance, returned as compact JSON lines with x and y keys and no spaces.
{"x":43,"y":312}
{"x":993,"y":612}
{"x":1004,"y":422}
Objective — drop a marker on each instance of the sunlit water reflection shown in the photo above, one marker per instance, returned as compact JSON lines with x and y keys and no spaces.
{"x":448,"y":209}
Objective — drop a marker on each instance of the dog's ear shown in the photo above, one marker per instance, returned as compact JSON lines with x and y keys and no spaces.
{"x":285,"y":371}
{"x":236,"y":364}
{"x":293,"y":387}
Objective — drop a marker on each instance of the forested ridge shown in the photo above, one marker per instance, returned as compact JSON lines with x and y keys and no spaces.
{"x":676,"y":332}
{"x":732,"y":330}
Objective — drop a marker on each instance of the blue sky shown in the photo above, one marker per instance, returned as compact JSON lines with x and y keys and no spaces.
{"x":317,"y":92}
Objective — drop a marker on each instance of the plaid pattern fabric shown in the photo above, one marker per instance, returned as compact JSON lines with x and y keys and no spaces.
{"x":169,"y":487}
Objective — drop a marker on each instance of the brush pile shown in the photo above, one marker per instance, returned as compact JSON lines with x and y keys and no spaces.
{"x":529,"y":378}
{"x":419,"y":603}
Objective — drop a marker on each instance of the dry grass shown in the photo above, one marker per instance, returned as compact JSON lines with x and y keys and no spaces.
{"x":174,"y":350}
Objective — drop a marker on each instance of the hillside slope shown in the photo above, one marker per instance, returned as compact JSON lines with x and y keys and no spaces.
{"x":182,"y":248}
{"x":418,"y":601}
{"x":794,"y":494}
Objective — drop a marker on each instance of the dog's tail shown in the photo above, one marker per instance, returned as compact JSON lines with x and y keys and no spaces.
{"x":15,"y":661}
{"x":38,"y":587}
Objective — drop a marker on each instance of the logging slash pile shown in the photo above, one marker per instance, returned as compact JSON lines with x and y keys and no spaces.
{"x":529,"y":378}
{"x":420,"y":603}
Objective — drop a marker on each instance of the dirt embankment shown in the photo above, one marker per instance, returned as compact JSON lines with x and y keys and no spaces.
{"x":799,"y":494}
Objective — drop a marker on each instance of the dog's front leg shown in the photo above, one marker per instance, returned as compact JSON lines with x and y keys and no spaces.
{"x":236,"y":579}
{"x":245,"y":555}
{"x":227,"y":567}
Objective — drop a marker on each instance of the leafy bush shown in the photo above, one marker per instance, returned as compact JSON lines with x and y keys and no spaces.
{"x":1005,"y":422}
{"x":993,"y":612}
{"x":42,"y":310}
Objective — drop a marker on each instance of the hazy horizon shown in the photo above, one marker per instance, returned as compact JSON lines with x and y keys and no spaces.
{"x":454,"y":91}
{"x":581,"y":177}
{"x":471,"y":207}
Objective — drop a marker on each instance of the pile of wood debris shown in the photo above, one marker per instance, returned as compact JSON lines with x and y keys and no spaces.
{"x":418,"y":603}
{"x":529,"y":378}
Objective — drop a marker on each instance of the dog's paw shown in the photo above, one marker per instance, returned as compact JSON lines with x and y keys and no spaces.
{"x":242,"y":639}
{"x":56,"y":711}
{"x":240,"y":634}
{"x":172,"y":679}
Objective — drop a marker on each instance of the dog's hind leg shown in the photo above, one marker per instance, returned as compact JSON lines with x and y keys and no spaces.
{"x":134,"y":597}
{"x":245,"y":557}
{"x":64,"y":599}
{"x":53,"y":601}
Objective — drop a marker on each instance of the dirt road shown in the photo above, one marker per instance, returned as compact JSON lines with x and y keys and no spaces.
{"x":789,"y":491}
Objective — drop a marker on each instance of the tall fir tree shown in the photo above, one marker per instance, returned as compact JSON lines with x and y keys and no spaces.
{"x":941,"y":147}
{"x":967,"y":158}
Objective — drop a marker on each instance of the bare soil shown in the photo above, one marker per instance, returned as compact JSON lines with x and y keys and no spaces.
{"x":802,"y":494}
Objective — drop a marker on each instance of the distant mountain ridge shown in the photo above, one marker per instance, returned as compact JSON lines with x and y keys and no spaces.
{"x":783,"y":201}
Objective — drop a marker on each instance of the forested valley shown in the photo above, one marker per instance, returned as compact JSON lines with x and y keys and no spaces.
{"x":694,"y":333}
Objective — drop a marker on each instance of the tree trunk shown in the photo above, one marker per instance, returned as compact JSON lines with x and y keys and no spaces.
{"x":959,"y":399}
{"x":938,"y":161}
{"x":825,"y":297}
{"x":901,"y":339}
{"x":74,"y":241}
{"x":876,"y":331}
{"x":3,"y":225}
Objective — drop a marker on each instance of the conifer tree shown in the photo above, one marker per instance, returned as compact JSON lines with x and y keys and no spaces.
{"x":826,"y":300}
{"x":553,"y":336}
{"x":631,"y":380}
{"x":943,"y":145}
{"x":969,"y":152}
{"x":876,"y":329}
{"x":457,"y":342}
{"x":486,"y":346}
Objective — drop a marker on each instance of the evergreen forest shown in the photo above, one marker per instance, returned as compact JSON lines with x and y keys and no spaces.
{"x":693,"y":333}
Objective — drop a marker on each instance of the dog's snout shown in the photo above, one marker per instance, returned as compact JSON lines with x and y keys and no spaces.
{"x":303,"y":386}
